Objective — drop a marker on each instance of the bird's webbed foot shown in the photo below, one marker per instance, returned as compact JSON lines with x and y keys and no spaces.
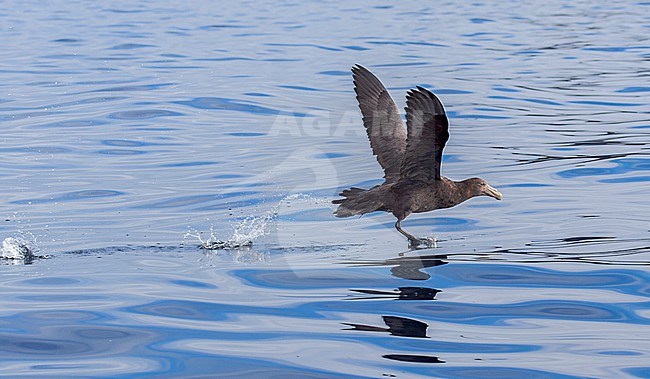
{"x":415,"y":242}
{"x":422,"y":243}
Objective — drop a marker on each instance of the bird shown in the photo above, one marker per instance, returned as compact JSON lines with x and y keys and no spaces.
{"x":411,"y":158}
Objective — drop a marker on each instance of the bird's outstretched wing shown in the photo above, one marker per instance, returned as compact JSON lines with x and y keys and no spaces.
{"x":428,"y":131}
{"x":382,"y":121}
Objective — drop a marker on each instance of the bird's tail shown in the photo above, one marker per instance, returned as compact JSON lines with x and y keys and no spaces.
{"x":357,"y":202}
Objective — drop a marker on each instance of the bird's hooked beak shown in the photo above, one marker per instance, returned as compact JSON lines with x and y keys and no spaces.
{"x":492,"y":192}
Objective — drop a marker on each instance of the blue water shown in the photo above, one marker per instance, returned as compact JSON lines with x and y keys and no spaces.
{"x":131,"y":131}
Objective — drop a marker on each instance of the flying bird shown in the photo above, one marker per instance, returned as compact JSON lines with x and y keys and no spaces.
{"x":411,"y":157}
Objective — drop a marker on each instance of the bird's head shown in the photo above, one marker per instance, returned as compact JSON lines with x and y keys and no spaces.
{"x":479,"y":187}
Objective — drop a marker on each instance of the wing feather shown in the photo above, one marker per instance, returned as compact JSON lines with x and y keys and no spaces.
{"x":382,"y":121}
{"x":428,"y":132}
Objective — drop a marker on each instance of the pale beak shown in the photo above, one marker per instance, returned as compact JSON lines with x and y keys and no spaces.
{"x":492,"y":192}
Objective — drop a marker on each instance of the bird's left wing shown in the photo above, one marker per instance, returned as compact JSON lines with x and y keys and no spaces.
{"x":382,"y":121}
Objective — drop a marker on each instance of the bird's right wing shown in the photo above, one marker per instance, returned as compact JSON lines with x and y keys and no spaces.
{"x":382,"y":121}
{"x":428,"y":132}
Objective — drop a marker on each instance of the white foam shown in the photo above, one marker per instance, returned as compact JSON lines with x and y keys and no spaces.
{"x":16,"y":248}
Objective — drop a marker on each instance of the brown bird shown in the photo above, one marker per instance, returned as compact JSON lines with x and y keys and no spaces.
{"x":410,"y":158}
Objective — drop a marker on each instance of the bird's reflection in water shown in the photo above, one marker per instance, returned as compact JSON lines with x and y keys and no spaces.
{"x":396,"y":326}
{"x":407,"y":267}
{"x":400,"y":327}
{"x":402,"y":293}
{"x":413,"y":358}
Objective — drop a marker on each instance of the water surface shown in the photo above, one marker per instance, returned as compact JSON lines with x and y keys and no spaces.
{"x":126,"y":126}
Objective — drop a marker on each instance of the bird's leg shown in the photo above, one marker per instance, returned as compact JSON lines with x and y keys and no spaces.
{"x":413,"y":240}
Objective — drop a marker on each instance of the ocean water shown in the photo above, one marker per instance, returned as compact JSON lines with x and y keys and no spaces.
{"x":134,"y":132}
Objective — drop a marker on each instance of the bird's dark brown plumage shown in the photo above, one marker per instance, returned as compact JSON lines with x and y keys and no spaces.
{"x":411,"y":158}
{"x":382,"y":121}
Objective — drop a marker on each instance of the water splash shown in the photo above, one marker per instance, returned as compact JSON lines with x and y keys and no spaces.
{"x":20,"y":248}
{"x":249,"y":229}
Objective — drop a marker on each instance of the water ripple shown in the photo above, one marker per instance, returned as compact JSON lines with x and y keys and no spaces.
{"x":235,"y":105}
{"x":73,"y":196}
{"x":142,"y":114}
{"x":126,"y":126}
